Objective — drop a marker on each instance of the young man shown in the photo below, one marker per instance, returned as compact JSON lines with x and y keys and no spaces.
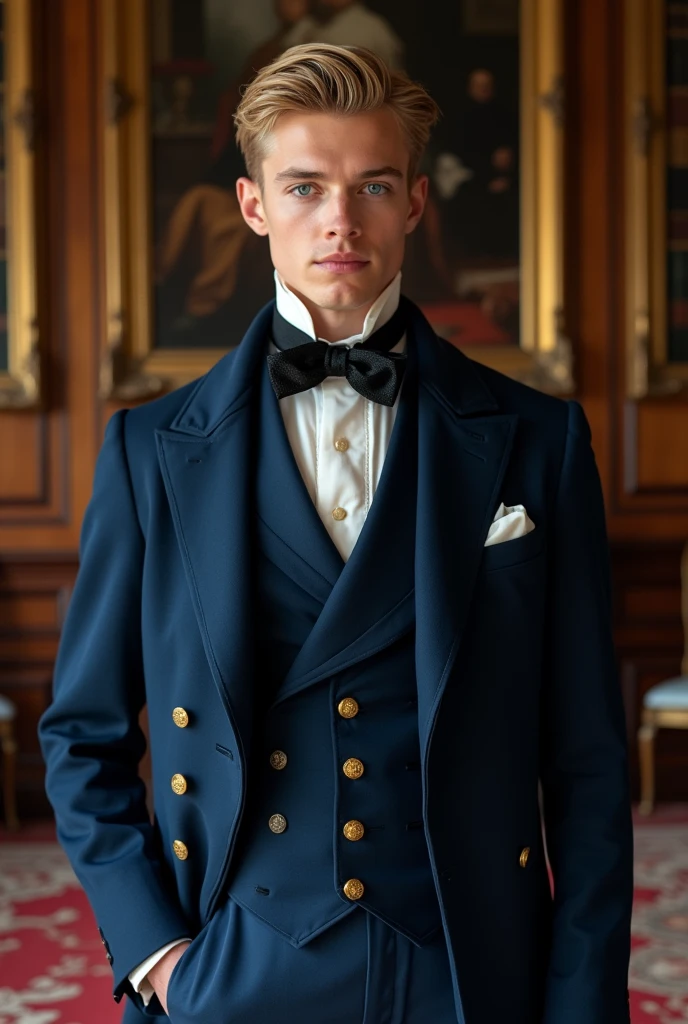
{"x":361,"y":583}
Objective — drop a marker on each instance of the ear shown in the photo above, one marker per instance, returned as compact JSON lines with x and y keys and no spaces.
{"x":417,"y":199}
{"x":251,"y":204}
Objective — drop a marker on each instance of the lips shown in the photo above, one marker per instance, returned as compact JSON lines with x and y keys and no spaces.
{"x":343,"y":263}
{"x":343,"y":257}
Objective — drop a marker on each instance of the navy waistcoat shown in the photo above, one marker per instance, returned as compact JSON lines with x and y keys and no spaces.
{"x":305,"y":598}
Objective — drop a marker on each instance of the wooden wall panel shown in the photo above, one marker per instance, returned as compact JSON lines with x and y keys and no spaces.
{"x":47,"y":458}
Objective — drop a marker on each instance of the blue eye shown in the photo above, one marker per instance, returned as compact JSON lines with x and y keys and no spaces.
{"x":295,"y":191}
{"x":376,"y":185}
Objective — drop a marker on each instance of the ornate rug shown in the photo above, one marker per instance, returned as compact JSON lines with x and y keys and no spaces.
{"x":659,"y":958}
{"x":53,"y":968}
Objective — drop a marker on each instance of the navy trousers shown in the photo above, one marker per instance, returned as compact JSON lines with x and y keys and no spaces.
{"x":239,"y":970}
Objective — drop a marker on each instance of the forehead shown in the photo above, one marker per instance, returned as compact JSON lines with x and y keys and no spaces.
{"x":333,"y":142}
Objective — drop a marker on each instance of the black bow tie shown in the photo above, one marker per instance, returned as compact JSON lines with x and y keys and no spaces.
{"x":302,"y":363}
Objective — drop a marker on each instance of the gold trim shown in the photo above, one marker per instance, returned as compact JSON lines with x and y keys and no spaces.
{"x":126,"y":371}
{"x":132,"y":368}
{"x":649,"y":372}
{"x":20,"y":384}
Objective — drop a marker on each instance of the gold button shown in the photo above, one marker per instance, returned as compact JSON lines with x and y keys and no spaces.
{"x":341,"y":444}
{"x":354,"y":889}
{"x":277,"y":823}
{"x":338,"y":513}
{"x":180,"y":717}
{"x":178,"y":783}
{"x":348,"y":708}
{"x":180,"y":849}
{"x":278,"y":760}
{"x":523,"y":859}
{"x":353,"y":830}
{"x":353,"y":768}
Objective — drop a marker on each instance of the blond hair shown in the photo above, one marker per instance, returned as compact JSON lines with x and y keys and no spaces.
{"x":344,"y":80}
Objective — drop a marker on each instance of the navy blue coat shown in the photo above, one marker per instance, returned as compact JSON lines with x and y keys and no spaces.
{"x":515,"y":667}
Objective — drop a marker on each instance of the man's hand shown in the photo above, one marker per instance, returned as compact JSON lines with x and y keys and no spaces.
{"x":159,"y":975}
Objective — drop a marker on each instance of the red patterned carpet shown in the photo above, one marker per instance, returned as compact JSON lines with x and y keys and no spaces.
{"x":53,"y":969}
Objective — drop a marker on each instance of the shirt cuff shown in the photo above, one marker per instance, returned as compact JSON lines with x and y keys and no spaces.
{"x":139,"y":976}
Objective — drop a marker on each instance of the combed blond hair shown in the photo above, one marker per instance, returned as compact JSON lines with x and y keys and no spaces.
{"x":320,"y":78}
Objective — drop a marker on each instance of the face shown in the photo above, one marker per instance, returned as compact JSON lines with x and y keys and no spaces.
{"x":333,"y":187}
{"x":481,"y":86}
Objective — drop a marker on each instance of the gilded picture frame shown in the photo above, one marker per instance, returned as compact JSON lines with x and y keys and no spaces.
{"x":653,"y":145}
{"x":20,"y":372}
{"x":133,"y":368}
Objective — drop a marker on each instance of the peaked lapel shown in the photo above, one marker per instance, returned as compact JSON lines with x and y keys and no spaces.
{"x":462,"y":459}
{"x":371,"y":603}
{"x":206,"y":458}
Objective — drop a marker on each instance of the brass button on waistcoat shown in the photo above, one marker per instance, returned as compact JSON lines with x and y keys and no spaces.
{"x":353,"y":768}
{"x":348,"y":708}
{"x":180,"y":717}
{"x":277,"y":823}
{"x":180,"y":849}
{"x":525,"y":854}
{"x":341,"y":444}
{"x":278,"y":760}
{"x":354,"y":830}
{"x":338,"y":513}
{"x":354,"y":889}
{"x":178,"y":783}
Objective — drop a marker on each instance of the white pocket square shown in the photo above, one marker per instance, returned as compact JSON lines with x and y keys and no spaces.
{"x":511,"y":522}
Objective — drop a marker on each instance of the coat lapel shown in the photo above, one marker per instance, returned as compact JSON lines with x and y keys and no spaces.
{"x":462,"y":459}
{"x":206,"y":458}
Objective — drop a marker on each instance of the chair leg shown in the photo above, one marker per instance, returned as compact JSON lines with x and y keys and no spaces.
{"x":646,"y":752}
{"x":9,"y":757}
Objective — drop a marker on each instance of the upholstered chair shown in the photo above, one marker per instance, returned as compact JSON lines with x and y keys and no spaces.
{"x":665,"y":706}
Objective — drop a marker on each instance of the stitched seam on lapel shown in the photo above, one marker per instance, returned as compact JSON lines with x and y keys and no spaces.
{"x":283,"y":541}
{"x":187,"y":558}
{"x":195,"y":433}
{"x":506,"y":455}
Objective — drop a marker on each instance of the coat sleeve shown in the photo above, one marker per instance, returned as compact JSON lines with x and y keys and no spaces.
{"x":90,"y":736}
{"x":584,"y":769}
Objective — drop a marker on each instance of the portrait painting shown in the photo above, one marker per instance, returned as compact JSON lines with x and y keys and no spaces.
{"x":463,"y":263}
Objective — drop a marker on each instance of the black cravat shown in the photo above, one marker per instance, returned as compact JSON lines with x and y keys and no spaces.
{"x":368,"y":366}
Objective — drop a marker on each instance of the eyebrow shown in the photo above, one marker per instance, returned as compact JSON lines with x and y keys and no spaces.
{"x":294,"y":173}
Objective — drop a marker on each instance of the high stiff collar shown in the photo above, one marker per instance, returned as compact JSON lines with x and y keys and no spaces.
{"x":290,"y":306}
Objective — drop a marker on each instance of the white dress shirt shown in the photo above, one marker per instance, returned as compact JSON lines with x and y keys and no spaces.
{"x":339,"y":440}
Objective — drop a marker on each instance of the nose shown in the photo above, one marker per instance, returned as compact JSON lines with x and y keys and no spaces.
{"x":341,"y":220}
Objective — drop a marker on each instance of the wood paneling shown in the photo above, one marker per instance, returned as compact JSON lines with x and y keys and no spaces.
{"x":48,"y":457}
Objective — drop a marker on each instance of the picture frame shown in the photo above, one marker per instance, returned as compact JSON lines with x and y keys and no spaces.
{"x":20,"y":370}
{"x":133,"y":368}
{"x":655,"y":147}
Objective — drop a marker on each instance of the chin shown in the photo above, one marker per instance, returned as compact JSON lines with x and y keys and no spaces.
{"x":345,"y":294}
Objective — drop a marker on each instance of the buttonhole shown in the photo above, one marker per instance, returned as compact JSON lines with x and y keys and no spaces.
{"x":413,"y":766}
{"x":413,"y":824}
{"x":224,"y":750}
{"x":261,"y":891}
{"x":194,"y":460}
{"x":375,"y":828}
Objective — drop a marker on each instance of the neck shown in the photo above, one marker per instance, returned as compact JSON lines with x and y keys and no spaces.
{"x":335,"y":324}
